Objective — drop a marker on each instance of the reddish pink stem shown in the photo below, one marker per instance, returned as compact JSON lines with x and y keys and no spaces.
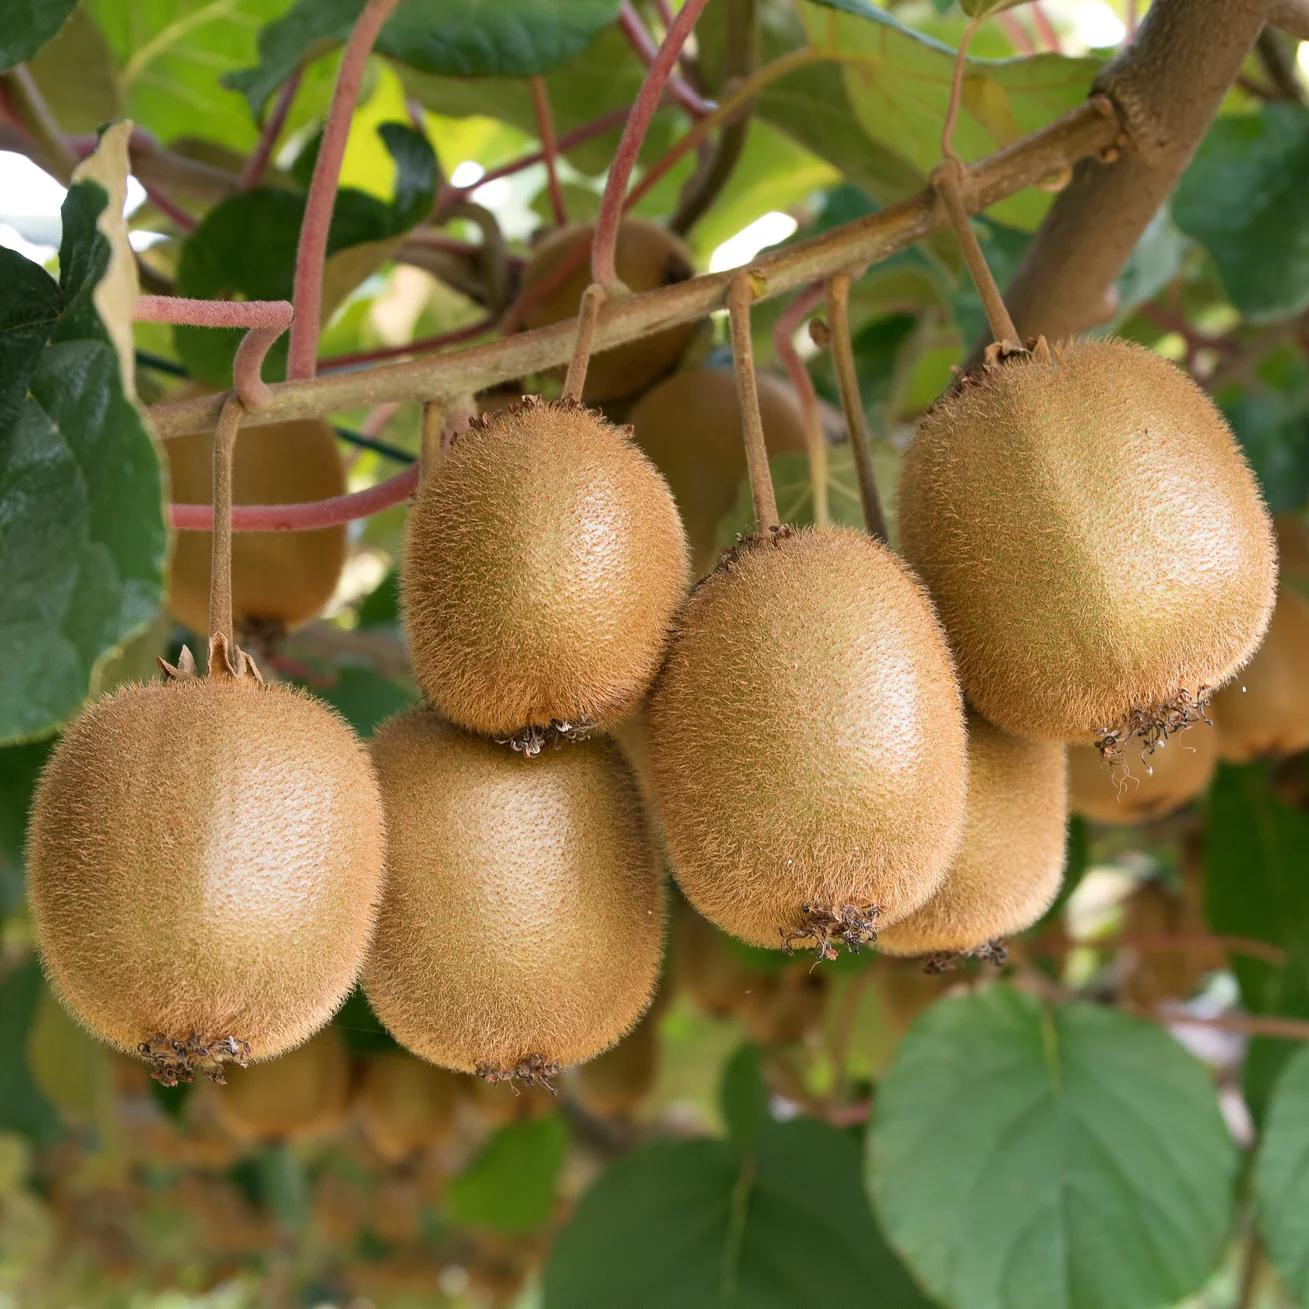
{"x":1130,"y":12}
{"x":265,"y":320}
{"x":783,"y":331}
{"x":169,"y":208}
{"x":665,"y":12}
{"x":545,"y":129}
{"x":639,"y":38}
{"x":1045,"y":28}
{"x":253,"y":172}
{"x":638,"y":121}
{"x":1017,"y":33}
{"x":312,"y":250}
{"x":306,"y":517}
{"x":421,"y":346}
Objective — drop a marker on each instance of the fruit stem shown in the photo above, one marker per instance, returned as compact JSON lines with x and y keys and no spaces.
{"x":36,"y":118}
{"x":545,"y":129}
{"x":945,"y":180}
{"x":803,"y":385}
{"x":639,"y":38}
{"x":492,"y":254}
{"x":430,"y":443}
{"x":311,"y":252}
{"x":740,"y":296}
{"x":847,"y":381}
{"x":588,"y":311}
{"x":253,"y":171}
{"x":620,"y":170}
{"x":220,"y":565}
{"x":956,"y":89}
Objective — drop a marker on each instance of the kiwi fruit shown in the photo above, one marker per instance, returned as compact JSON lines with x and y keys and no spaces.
{"x":204,"y":869}
{"x":1094,"y":540}
{"x":544,"y":563}
{"x":1265,"y":709}
{"x":784,"y":1007}
{"x":690,"y":426}
{"x":1143,"y":786}
{"x":405,"y":1105}
{"x":707,"y":969}
{"x":646,"y":258}
{"x":614,"y":1084}
{"x":1152,"y":976}
{"x":1011,"y":863}
{"x":280,"y":580}
{"x":905,"y":990}
{"x":807,"y":742}
{"x":299,"y":1094}
{"x":522,"y":925}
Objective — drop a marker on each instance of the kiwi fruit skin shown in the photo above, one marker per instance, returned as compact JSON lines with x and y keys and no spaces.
{"x":280,"y":580}
{"x":205,"y":857}
{"x":1264,"y":711}
{"x":614,"y":1084}
{"x":406,"y":1105}
{"x":302,"y":1093}
{"x":544,"y":564}
{"x":1125,"y":793}
{"x":690,"y":426}
{"x":646,"y":258}
{"x":807,"y":739}
{"x":523,"y":913}
{"x":1011,"y":864}
{"x":1092,"y":535}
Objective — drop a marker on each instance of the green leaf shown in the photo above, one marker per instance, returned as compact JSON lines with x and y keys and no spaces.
{"x":510,"y":1186}
{"x":898,"y":81}
{"x":976,"y":8}
{"x":23,"y":1108}
{"x":28,"y":25}
{"x":744,"y":1097}
{"x":449,"y":38}
{"x":1035,"y":1157}
{"x":29,"y":309}
{"x":365,"y":697}
{"x":696,"y":1224}
{"x":20,"y":766}
{"x":1243,"y":198}
{"x":1281,"y":1178}
{"x":381,"y":607}
{"x":1272,"y":424}
{"x":1156,"y":260}
{"x":76,"y":75}
{"x":360,"y":1027}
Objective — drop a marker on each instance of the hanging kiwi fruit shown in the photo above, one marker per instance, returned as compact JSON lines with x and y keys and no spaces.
{"x":806,"y":733}
{"x":405,"y":1105}
{"x":205,"y":854}
{"x":1143,"y":785}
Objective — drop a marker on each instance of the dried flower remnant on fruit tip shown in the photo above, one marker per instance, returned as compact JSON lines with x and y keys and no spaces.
{"x":1154,"y":725}
{"x":529,"y":1072}
{"x":946,"y":961}
{"x":174,"y":1062}
{"x":532,"y":740}
{"x":853,"y":926}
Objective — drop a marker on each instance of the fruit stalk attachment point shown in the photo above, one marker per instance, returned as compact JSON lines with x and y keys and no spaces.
{"x":740,"y":296}
{"x":847,"y":380}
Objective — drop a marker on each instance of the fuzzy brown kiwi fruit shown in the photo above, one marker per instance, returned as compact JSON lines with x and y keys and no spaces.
{"x":614,"y":1084}
{"x":280,"y":580}
{"x":1264,"y":710}
{"x":543,"y":567}
{"x":1009,"y":868}
{"x":786,"y":1006}
{"x":706,"y":967}
{"x":1152,"y":976}
{"x":1093,"y":538}
{"x":204,"y":868}
{"x":1127,"y":793}
{"x":807,"y":742}
{"x":647,"y":257}
{"x":299,"y":1094}
{"x":522,"y":925}
{"x":690,"y":426}
{"x":405,"y":1105}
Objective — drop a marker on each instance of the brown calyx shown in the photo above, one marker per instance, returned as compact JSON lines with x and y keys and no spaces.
{"x":1153,"y":726}
{"x":172,"y":1062}
{"x":224,"y":661}
{"x":533,"y":739}
{"x":946,"y":961}
{"x":535,"y":1070}
{"x":853,"y":926}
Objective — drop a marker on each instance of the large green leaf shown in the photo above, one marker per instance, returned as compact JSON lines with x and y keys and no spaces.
{"x":1281,"y":1178}
{"x":1036,"y":1157}
{"x":898,"y":81}
{"x":450,"y":38}
{"x":1244,"y":198}
{"x":701,"y":1225}
{"x":76,"y":75}
{"x":510,"y":1186}
{"x":20,"y":766}
{"x":29,"y":309}
{"x":23,"y":1108}
{"x":28,"y":25}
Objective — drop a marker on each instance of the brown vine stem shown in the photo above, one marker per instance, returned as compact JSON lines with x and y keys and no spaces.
{"x":38,"y":119}
{"x":545,"y":129}
{"x":253,"y":172}
{"x":740,"y":296}
{"x":847,"y":381}
{"x":1082,"y":131}
{"x":638,"y":121}
{"x":956,"y":89}
{"x":588,"y":311}
{"x":1286,"y":1029}
{"x":639,"y":38}
{"x":1160,"y":942}
{"x":220,"y":566}
{"x":802,"y":384}
{"x":491,"y":253}
{"x":311,"y":252}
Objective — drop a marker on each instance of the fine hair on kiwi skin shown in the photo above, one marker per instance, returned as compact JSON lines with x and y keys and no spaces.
{"x":1010,"y":865}
{"x":543,"y":568}
{"x":1144,"y":785}
{"x":522,"y":925}
{"x":807,"y":742}
{"x":647,"y":257}
{"x":1094,"y":540}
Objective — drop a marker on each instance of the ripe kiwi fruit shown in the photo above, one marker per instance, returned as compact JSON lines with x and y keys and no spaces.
{"x":521,"y":930}
{"x":299,"y":1094}
{"x":690,"y":426}
{"x":614,"y":1084}
{"x":1009,"y":868}
{"x":1152,"y":976}
{"x":1137,"y":790}
{"x":544,"y":562}
{"x":204,"y":868}
{"x":1093,"y":538}
{"x":706,"y":967}
{"x":405,"y":1105}
{"x":280,"y":580}
{"x":646,"y":257}
{"x":807,"y":742}
{"x":784,"y":1007}
{"x":1265,"y":709}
